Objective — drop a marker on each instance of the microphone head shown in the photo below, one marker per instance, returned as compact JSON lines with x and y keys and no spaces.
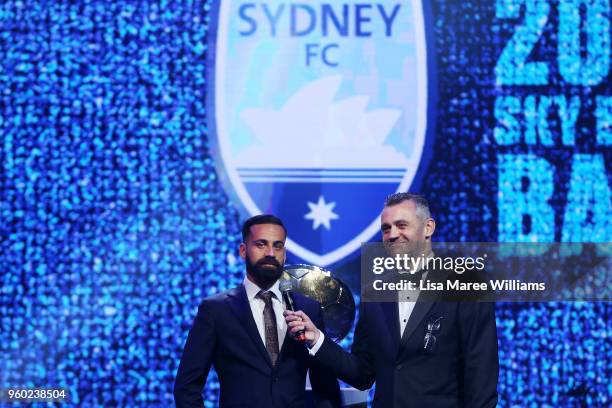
{"x":285,"y":286}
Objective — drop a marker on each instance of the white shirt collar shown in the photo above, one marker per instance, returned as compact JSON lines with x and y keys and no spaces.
{"x":252,"y":289}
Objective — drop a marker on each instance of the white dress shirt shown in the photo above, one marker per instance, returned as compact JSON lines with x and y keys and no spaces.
{"x":406,"y":301}
{"x":257,"y":307}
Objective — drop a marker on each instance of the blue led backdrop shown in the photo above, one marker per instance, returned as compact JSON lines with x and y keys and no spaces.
{"x":117,"y":216}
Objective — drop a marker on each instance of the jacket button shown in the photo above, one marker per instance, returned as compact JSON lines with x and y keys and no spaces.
{"x":275,"y":379}
{"x":399,"y":367}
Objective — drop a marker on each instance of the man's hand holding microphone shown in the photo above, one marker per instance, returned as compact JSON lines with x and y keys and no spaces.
{"x":301,"y":328}
{"x":297,"y":322}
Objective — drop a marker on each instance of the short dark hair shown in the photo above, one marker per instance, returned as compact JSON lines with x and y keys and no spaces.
{"x":421,"y":203}
{"x":260,"y":219}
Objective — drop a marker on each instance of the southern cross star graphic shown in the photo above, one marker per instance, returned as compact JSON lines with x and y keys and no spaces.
{"x":321,"y":213}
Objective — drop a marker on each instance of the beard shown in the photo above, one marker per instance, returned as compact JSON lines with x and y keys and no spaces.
{"x":262,"y":272}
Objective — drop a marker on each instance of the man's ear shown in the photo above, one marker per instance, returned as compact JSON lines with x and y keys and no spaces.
{"x":430,"y":227}
{"x":242,"y":250}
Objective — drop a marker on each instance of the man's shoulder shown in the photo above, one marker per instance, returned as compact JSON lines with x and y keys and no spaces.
{"x":220,"y":298}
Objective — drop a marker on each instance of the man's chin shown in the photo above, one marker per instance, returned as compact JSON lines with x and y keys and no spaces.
{"x":410,"y":249}
{"x":394,"y":248}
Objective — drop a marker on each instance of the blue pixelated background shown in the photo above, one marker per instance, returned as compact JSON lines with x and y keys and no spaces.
{"x":114,"y":226}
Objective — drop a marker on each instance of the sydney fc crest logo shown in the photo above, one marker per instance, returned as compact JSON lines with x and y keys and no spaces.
{"x":318,"y":111}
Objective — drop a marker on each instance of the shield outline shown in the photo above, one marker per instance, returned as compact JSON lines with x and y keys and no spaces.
{"x":226,"y":170}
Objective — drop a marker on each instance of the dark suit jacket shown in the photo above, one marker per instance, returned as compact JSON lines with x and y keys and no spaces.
{"x":224,"y":334}
{"x":461,"y":371}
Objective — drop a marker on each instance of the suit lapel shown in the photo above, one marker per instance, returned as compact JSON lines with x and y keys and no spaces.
{"x":391,"y":312}
{"x":422,"y":307}
{"x":239,"y":304}
{"x":417,"y":315}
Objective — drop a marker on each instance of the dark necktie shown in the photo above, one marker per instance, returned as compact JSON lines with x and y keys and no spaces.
{"x":270,"y":325}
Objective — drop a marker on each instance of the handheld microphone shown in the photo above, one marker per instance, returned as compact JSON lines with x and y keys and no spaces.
{"x":285,"y":288}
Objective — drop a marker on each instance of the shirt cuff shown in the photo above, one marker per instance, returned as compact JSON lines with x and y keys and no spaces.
{"x":313,"y":350}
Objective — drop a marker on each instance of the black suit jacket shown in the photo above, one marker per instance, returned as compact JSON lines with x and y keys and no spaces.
{"x":462,"y":370}
{"x":224,"y":334}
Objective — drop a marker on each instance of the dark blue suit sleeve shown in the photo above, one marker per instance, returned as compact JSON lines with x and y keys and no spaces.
{"x":196,"y":360}
{"x":324,"y":384}
{"x":481,"y":363}
{"x":355,"y":368}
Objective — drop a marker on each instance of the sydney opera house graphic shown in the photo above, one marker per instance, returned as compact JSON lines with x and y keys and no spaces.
{"x":315,"y":137}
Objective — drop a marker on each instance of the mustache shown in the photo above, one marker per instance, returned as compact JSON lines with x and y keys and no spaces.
{"x":268,"y":261}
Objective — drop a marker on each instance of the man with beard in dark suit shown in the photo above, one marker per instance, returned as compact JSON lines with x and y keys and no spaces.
{"x":243,"y":334}
{"x":429,"y":353}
